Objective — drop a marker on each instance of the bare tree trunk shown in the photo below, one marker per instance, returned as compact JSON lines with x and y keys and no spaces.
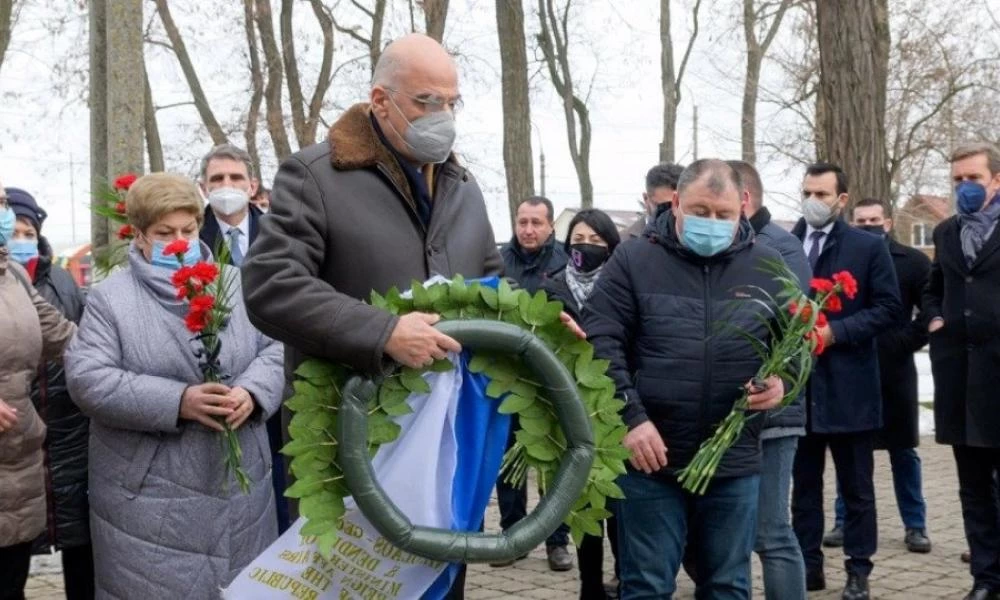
{"x":8,"y":12}
{"x":99,"y":235}
{"x":374,"y":42}
{"x":272,"y":91}
{"x":554,"y":42}
{"x":304,"y":123}
{"x":672,"y":79}
{"x":517,"y":156}
{"x":180,"y":50}
{"x":154,"y":147}
{"x":256,"y":86}
{"x":435,"y":16}
{"x":756,"y":49}
{"x":854,"y":59}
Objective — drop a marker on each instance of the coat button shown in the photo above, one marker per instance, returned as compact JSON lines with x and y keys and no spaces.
{"x":968,"y":312}
{"x":968,"y":279}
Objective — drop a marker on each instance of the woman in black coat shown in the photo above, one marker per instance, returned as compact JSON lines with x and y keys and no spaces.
{"x":591,"y":240}
{"x":66,"y":439}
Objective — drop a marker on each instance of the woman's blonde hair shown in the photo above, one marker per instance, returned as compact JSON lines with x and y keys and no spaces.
{"x":155,"y":195}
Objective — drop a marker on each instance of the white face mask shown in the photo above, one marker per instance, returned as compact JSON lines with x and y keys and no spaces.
{"x":228,"y":201}
{"x":817,"y":213}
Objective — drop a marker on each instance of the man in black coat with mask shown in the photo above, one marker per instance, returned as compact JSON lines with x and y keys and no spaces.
{"x":900,"y":434}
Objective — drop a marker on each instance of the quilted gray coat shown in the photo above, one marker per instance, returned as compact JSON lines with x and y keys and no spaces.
{"x":165,"y":521}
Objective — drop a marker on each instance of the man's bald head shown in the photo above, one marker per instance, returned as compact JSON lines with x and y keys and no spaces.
{"x":414,"y":54}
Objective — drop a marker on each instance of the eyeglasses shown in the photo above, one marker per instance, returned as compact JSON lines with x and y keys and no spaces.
{"x":433,"y":102}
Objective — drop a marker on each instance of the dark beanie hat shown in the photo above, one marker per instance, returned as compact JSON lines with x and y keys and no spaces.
{"x":23,"y":204}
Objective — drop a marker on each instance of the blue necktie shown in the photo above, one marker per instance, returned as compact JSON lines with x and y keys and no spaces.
{"x":235,"y":254}
{"x":817,"y":241}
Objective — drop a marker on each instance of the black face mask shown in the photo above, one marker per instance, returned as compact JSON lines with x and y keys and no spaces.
{"x":587,"y":257}
{"x":876,"y":229}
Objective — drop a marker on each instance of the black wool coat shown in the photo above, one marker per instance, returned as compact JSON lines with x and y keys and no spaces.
{"x":965,"y":353}
{"x":844,"y":393}
{"x":897,"y":369}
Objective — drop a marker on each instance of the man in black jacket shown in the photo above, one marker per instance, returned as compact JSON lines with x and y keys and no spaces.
{"x":530,"y":258}
{"x":656,"y":315}
{"x":844,"y":403}
{"x":661,"y":183}
{"x":961,"y":306}
{"x":900,"y":434}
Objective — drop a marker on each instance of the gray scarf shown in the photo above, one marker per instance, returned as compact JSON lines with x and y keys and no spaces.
{"x":977,"y":228}
{"x":581,"y":284}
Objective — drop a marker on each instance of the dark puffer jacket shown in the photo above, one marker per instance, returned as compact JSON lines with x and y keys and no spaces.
{"x":531,"y":271}
{"x":665,"y":318}
{"x":67,"y":522}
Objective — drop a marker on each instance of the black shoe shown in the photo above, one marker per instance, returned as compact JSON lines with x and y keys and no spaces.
{"x":499,"y":564}
{"x":559,"y":558}
{"x":982,"y":593}
{"x":856,"y":588}
{"x":917,"y":541}
{"x":815,"y":581}
{"x":834,"y":539}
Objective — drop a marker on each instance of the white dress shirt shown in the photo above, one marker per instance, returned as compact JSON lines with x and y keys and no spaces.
{"x":244,"y":228}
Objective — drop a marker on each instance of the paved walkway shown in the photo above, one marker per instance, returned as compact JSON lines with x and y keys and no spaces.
{"x":898,"y":575}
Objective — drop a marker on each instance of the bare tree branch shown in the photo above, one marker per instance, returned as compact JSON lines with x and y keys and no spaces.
{"x":553,"y":41}
{"x":272,"y":91}
{"x":190,"y":74}
{"x":154,"y":147}
{"x":435,"y":17}
{"x":671,"y":80}
{"x":756,"y":50}
{"x":374,"y":41}
{"x":9,"y":10}
{"x":256,"y":85}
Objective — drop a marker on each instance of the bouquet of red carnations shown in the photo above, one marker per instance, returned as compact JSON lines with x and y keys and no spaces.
{"x":795,"y":339}
{"x":207,"y":290}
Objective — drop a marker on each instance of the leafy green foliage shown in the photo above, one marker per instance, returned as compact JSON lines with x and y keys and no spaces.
{"x":540,"y":443}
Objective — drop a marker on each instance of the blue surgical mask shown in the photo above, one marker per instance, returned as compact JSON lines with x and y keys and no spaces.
{"x":169,"y":261}
{"x":969,"y":197}
{"x":23,"y":250}
{"x":707,"y":237}
{"x":7,"y":220}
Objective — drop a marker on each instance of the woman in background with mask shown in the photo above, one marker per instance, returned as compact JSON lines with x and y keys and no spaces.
{"x":31,"y":331}
{"x":65,"y":465}
{"x":165,"y":515}
{"x":591,"y":240}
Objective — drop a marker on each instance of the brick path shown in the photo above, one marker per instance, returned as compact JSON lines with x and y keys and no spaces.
{"x":898,"y":574}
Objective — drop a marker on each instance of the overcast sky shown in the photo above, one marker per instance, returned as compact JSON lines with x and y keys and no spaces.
{"x":44,"y":141}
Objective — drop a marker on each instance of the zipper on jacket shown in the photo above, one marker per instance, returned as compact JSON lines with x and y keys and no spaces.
{"x":706,"y":382}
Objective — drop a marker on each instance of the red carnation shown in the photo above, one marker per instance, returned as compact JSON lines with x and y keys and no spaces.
{"x":202,"y":303}
{"x":821,"y":285}
{"x":176,"y":248}
{"x":806,"y":313}
{"x":833,"y":303}
{"x":817,"y":339}
{"x":847,"y":283}
{"x":120,"y":208}
{"x":205,"y":272}
{"x":126,"y":232}
{"x":196,"y":321}
{"x":793,"y":308}
{"x":124,"y":182}
{"x":821,"y":320}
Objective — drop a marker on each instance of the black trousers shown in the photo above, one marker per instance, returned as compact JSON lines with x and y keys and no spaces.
{"x":78,"y":572}
{"x":853,"y":458}
{"x":977,"y":491}
{"x":590,"y":559}
{"x":14,"y":564}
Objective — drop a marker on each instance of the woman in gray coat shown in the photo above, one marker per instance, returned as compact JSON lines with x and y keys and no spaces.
{"x":166,"y":519}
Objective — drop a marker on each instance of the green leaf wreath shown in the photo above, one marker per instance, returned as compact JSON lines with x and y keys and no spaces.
{"x":319,"y":482}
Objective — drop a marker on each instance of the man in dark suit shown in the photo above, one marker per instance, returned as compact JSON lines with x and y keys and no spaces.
{"x":228,"y":182}
{"x":844,"y":404}
{"x":900,"y":434}
{"x":964,"y":326}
